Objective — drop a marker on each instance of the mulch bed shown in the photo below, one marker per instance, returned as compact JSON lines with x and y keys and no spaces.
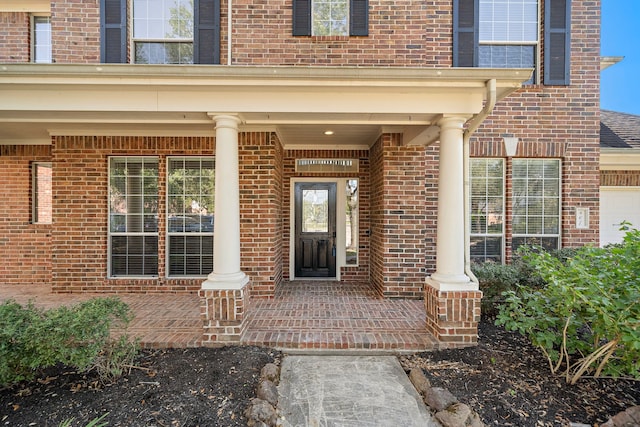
{"x":504,"y":379}
{"x":509,"y":383}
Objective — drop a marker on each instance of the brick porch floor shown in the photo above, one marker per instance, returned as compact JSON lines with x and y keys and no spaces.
{"x":310,"y":315}
{"x":322,"y":315}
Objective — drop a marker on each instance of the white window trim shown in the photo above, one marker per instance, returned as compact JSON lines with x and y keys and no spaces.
{"x":560,"y":182}
{"x":537,"y":50}
{"x":109,"y":233}
{"x":132,"y":40}
{"x":32,"y":24}
{"x":504,"y":206}
{"x":166,"y":220}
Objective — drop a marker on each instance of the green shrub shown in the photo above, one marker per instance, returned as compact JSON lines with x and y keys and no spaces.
{"x":32,"y":339}
{"x":585,"y":319}
{"x":494,"y":280}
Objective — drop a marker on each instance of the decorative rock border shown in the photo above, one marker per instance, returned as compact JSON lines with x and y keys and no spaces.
{"x":448,"y":411}
{"x":262,"y":409}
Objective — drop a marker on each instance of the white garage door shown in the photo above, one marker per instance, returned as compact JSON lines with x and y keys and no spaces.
{"x":618,"y":204}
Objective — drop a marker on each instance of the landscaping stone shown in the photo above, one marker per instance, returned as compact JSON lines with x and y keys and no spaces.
{"x":271,"y":372}
{"x":419,"y":381}
{"x":268,"y":391}
{"x":628,"y":418}
{"x":260,"y":413}
{"x":439,"y":398}
{"x":455,"y":415}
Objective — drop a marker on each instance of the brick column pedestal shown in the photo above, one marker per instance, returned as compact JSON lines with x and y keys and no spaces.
{"x":453,"y":316}
{"x":223,"y":313}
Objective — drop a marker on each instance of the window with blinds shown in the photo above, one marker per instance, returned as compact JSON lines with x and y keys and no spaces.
{"x":133,"y":216}
{"x":536,"y":203}
{"x":487,"y":210}
{"x":190,"y":209}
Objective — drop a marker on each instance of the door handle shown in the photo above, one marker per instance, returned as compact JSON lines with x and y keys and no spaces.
{"x":333,"y":250}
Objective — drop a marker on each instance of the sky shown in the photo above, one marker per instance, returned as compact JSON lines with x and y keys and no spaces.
{"x":620,"y":36}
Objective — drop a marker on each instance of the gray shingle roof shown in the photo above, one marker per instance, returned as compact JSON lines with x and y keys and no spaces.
{"x":619,"y":130}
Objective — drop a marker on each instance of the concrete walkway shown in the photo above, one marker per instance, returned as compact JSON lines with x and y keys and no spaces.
{"x":348,"y":391}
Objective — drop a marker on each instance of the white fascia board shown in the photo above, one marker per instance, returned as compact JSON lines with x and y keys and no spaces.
{"x":619,"y":159}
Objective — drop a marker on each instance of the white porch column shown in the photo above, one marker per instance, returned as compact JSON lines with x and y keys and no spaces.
{"x":449,"y":274}
{"x":226,"y":239}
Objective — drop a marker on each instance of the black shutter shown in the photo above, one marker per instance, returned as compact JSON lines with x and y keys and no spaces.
{"x":113,"y":31}
{"x":206,"y":38}
{"x":557,"y":42}
{"x":301,"y":17}
{"x":465,"y":33}
{"x":359,"y":18}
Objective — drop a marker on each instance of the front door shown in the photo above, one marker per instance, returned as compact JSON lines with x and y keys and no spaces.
{"x":315,"y":229}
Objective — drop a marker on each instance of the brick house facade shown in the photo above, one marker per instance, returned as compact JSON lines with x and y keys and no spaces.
{"x":401,"y":92}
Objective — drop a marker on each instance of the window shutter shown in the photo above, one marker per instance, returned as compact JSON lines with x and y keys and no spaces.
{"x":359,"y":18}
{"x":557,"y":42}
{"x":465,"y":33}
{"x":113,"y":31}
{"x":206,"y":39}
{"x":301,"y":17}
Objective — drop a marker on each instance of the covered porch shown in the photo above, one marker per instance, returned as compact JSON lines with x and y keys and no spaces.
{"x":406,"y":107}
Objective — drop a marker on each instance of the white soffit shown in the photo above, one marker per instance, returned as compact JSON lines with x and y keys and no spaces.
{"x":300,"y":103}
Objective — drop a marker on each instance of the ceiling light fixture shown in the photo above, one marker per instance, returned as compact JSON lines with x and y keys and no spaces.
{"x":328,"y":132}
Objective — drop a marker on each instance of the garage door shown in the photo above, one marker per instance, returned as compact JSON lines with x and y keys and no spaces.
{"x":618,"y":204}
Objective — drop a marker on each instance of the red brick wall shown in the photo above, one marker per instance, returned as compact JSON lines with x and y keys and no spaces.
{"x":15,"y":36}
{"x":399,"y":217}
{"x":348,"y":274}
{"x":260,"y":155}
{"x":75,"y":31}
{"x":80,"y":210}
{"x":401,"y":33}
{"x":613,"y":178}
{"x":25,"y":248}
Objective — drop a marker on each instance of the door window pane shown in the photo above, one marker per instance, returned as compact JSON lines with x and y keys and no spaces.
{"x":315,"y":211}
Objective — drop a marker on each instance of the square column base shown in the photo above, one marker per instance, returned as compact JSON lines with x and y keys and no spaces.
{"x":453,"y":316}
{"x":223,"y":312}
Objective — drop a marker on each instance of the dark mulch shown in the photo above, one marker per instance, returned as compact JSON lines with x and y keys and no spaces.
{"x":509,"y":383}
{"x":504,"y":379}
{"x":190,"y":387}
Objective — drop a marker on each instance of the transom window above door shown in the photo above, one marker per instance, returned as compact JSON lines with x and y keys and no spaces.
{"x":163,"y":31}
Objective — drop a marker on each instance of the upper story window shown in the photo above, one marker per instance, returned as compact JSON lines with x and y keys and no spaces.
{"x":41,"y":39}
{"x":330,"y":18}
{"x":163,"y":31}
{"x":506,"y":34}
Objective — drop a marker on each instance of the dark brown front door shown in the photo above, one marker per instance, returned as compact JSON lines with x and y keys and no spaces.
{"x":315,"y":228}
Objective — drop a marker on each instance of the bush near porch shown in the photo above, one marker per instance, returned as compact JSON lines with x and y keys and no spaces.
{"x":583,"y":315}
{"x":32,"y":339}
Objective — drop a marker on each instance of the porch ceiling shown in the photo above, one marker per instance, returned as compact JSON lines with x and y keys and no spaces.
{"x":299,"y":103}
